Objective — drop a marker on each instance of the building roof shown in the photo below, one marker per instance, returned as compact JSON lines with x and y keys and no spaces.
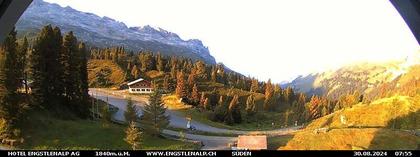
{"x":250,"y":142}
{"x":135,"y":81}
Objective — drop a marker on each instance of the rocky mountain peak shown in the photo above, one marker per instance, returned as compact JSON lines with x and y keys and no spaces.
{"x":106,"y":32}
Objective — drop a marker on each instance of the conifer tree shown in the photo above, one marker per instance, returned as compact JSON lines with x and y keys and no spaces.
{"x":154,"y":119}
{"x":46,"y":70}
{"x":195,"y":96}
{"x":106,"y":115}
{"x":174,"y":72}
{"x":251,"y":107}
{"x":83,"y":83}
{"x":47,"y":87}
{"x":131,"y":112}
{"x":134,"y":136}
{"x":71,"y":78}
{"x":180,"y":86}
{"x":9,"y":83}
{"x":301,"y":99}
{"x":337,"y":107}
{"x":202,"y":99}
{"x":22,"y":62}
{"x":159,"y":63}
{"x":200,"y":69}
{"x":220,"y":110}
{"x":324,"y":111}
{"x":21,"y":59}
{"x":268,"y":102}
{"x":147,"y":62}
{"x":214,"y":75}
{"x":234,"y":110}
{"x":288,"y":95}
{"x":228,"y":118}
{"x":191,"y":80}
{"x":206,"y":103}
{"x":254,"y":85}
{"x":166,"y":83}
{"x":135,"y":72}
{"x":55,"y":71}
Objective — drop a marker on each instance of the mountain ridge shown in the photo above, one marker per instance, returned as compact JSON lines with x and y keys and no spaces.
{"x":106,"y":32}
{"x":361,"y":77}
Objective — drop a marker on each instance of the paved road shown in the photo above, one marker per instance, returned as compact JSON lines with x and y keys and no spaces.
{"x":177,"y":120}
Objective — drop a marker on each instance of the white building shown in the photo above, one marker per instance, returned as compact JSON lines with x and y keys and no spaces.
{"x":140,"y":86}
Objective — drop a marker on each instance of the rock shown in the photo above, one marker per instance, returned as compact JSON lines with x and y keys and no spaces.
{"x":105,"y":32}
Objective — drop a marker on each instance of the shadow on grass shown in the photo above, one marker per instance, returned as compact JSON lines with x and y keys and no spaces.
{"x":275,"y":142}
{"x":401,"y":133}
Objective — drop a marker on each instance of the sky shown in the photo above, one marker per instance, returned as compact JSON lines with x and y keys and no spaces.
{"x":277,"y":39}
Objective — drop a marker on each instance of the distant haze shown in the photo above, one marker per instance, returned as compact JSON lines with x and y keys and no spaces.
{"x":275,"y":39}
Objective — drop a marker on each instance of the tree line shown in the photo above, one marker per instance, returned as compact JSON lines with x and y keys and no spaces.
{"x":48,"y":74}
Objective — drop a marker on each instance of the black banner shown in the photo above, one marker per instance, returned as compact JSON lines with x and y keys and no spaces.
{"x":207,"y":153}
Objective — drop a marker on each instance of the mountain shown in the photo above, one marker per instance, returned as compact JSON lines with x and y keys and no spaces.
{"x":361,"y":77}
{"x":106,"y":32}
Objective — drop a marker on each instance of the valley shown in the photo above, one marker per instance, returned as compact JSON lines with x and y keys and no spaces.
{"x":91,"y":82}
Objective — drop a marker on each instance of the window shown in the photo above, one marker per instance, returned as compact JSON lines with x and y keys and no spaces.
{"x":148,"y":90}
{"x":138,"y":90}
{"x":133,"y":90}
{"x":142,"y":90}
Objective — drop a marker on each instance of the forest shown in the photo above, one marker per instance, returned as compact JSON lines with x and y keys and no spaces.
{"x":224,"y":95}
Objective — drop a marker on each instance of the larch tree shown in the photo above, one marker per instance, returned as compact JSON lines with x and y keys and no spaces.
{"x":165,"y":84}
{"x":195,"y":96}
{"x":202,"y":99}
{"x":174,"y":72}
{"x":206,"y":104}
{"x":180,"y":86}
{"x":135,"y":72}
{"x":231,"y":113}
{"x":159,"y":63}
{"x":235,"y":109}
{"x":191,"y":80}
{"x":251,"y":107}
{"x":214,"y":75}
{"x":134,"y":136}
{"x":268,"y":102}
{"x":254,"y":86}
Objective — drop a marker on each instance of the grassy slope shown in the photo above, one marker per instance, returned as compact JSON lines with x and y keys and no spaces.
{"x":352,"y":138}
{"x":95,"y":66}
{"x":278,"y":141}
{"x":368,"y":127}
{"x":264,"y":123}
{"x":49,"y":133}
{"x":265,"y":118}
